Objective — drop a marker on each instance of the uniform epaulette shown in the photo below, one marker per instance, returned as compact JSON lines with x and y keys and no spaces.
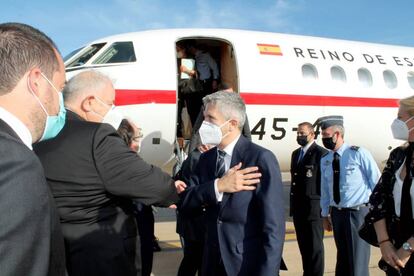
{"x":355,"y":148}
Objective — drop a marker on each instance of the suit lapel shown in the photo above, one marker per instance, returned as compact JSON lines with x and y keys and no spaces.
{"x":309,"y":151}
{"x":237,"y":156}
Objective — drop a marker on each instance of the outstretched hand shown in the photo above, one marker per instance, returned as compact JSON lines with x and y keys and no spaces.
{"x":236,"y":180}
{"x":180,"y":186}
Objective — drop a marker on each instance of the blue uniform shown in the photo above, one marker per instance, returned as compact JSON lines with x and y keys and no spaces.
{"x":357,"y":178}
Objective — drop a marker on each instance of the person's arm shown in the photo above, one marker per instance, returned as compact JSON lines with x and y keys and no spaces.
{"x":197,"y":195}
{"x":325,"y":200}
{"x":213,"y":66}
{"x":25,"y":224}
{"x":388,"y":251}
{"x":370,"y":168}
{"x":124,"y":173}
{"x":203,"y":194}
{"x":269,"y":194}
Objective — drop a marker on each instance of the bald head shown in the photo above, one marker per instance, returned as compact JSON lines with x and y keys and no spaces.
{"x":87,"y":82}
{"x":90,"y":94}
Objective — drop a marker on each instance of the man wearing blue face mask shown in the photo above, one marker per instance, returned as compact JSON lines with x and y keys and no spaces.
{"x":94,"y":177}
{"x":239,"y":184}
{"x":32,"y":72}
{"x":348,"y":176}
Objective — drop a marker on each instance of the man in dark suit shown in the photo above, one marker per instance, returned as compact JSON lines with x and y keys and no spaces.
{"x":239,"y":184}
{"x":94,"y":175}
{"x":305,"y":193}
{"x":31,"y":69}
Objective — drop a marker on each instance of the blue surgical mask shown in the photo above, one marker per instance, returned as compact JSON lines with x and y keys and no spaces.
{"x":54,"y":123}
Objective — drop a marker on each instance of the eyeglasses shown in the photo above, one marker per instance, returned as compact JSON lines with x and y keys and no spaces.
{"x":139,"y":136}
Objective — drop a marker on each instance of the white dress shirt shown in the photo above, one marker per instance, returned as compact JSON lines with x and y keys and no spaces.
{"x":21,"y":130}
{"x":227,"y":161}
{"x":306,"y":147}
{"x":397,"y":191}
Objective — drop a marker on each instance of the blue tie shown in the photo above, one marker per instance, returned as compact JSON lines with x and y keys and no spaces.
{"x":220,"y":167}
{"x":301,"y":154}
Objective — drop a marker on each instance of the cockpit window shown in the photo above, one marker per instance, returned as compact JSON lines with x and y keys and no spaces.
{"x":116,"y":53}
{"x":83,"y":58}
{"x":71,"y":54}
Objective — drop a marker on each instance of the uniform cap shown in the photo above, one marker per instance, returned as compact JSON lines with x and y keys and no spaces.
{"x":332,"y":120}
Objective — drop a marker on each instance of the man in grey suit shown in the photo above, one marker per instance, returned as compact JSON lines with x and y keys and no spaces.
{"x":32,"y":72}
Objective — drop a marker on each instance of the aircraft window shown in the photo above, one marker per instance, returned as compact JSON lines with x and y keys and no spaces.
{"x":90,"y":52}
{"x":71,"y":54}
{"x":309,"y":72}
{"x":390,"y":79}
{"x":117,"y":52}
{"x":410,"y":78}
{"x":338,"y":74}
{"x":365,"y":77}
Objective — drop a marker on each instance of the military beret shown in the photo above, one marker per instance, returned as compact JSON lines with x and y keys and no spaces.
{"x":332,"y":120}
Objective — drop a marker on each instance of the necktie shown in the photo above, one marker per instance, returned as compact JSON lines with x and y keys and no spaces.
{"x":336,"y":172}
{"x":301,"y":154}
{"x":406,"y":211}
{"x":220,"y":167}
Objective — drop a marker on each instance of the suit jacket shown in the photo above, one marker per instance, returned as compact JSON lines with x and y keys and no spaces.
{"x":31,"y":241}
{"x":247,"y":228}
{"x":305,"y":191}
{"x":93,"y":175}
{"x":190,"y":227}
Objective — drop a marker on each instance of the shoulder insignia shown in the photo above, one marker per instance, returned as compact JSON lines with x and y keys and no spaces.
{"x":355,"y":148}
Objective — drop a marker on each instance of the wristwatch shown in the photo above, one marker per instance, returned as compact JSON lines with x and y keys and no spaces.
{"x":407,"y":247}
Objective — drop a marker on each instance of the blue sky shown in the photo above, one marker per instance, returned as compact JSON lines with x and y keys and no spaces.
{"x":72,"y":23}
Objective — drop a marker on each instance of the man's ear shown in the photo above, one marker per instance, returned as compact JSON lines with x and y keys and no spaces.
{"x":234,"y":125}
{"x":34,"y":79}
{"x":86,"y":103}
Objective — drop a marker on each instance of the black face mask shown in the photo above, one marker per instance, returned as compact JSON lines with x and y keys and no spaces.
{"x":328,"y":143}
{"x":302,"y":140}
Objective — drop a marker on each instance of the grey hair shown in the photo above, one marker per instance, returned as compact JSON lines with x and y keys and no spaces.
{"x":84,"y":82}
{"x":23,"y":47}
{"x":340,"y":129}
{"x":230,"y":104}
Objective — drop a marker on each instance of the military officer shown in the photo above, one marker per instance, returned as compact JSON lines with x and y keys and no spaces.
{"x":348,"y":176}
{"x":305,"y":195}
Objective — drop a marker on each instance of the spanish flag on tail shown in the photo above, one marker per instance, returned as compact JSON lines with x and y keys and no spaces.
{"x":269,"y":49}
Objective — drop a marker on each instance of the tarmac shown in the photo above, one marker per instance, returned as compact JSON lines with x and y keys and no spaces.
{"x":167,"y":261}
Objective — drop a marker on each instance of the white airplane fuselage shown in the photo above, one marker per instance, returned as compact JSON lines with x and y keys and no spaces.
{"x":284,"y":80}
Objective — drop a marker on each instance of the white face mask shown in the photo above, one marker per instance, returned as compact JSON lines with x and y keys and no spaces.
{"x":112,"y":117}
{"x":211,"y":134}
{"x":400,"y":130}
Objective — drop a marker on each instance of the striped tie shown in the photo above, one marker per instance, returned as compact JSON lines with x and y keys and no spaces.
{"x":220,"y":167}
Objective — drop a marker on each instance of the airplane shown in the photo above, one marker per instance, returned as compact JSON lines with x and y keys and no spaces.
{"x":284,"y":80}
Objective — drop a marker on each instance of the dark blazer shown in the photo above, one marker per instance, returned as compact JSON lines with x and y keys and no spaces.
{"x":305,"y":192}
{"x":192,"y":227}
{"x":93,"y":175}
{"x":31,"y":241}
{"x":248,"y":228}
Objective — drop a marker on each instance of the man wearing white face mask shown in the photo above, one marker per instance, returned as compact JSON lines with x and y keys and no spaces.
{"x":32,"y":72}
{"x":94,"y":175}
{"x":239,"y":184}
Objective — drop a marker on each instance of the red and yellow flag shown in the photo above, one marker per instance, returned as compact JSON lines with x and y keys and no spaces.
{"x":269,"y":49}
